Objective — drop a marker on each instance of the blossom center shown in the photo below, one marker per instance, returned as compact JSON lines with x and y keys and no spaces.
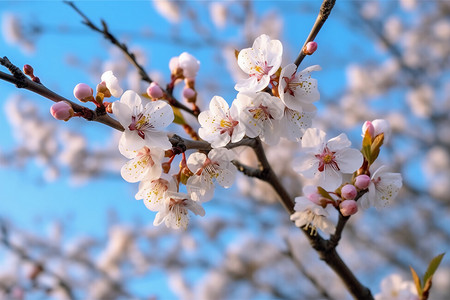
{"x":140,"y":124}
{"x":261,"y":113}
{"x":174,"y":202}
{"x":291,"y":85}
{"x":261,"y":69}
{"x":327,"y":158}
{"x":209,"y":167}
{"x":227,"y":125}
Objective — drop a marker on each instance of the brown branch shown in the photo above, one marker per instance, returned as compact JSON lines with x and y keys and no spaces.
{"x":130,"y":56}
{"x":21,"y":81}
{"x":325,"y":10}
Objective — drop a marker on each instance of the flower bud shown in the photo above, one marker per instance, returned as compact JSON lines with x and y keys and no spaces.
{"x":174,"y":67}
{"x":101,"y":88}
{"x":310,"y":48}
{"x":362,"y":182}
{"x":348,"y":207}
{"x":189,"y":94}
{"x":112,"y":83}
{"x":348,"y":191}
{"x":28,"y":70}
{"x":189,"y":64}
{"x":382,"y":126}
{"x":154,"y":91}
{"x":83,"y":92}
{"x":368,"y":126}
{"x":62,"y":111}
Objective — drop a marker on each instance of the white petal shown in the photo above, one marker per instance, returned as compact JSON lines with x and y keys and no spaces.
{"x":339,"y":142}
{"x":134,"y":170}
{"x":330,"y":179}
{"x":159,"y":114}
{"x":157,"y":139}
{"x":314,"y":139}
{"x":349,"y":160}
{"x":195,"y":161}
{"x":306,"y":164}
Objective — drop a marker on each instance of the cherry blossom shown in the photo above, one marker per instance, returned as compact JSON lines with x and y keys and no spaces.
{"x":260,"y":114}
{"x":326,"y":161}
{"x":395,"y":288}
{"x":220,"y":124}
{"x":112,"y":83}
{"x":259,"y":62}
{"x":153,"y":191}
{"x":294,"y":123}
{"x":144,"y":164}
{"x":298,"y":89}
{"x":383,"y":187}
{"x":175,"y":210}
{"x":217,"y":165}
{"x":311,"y":215}
{"x":142,"y":121}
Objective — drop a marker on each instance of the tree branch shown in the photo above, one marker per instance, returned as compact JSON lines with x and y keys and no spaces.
{"x":21,"y":81}
{"x":325,"y":10}
{"x":130,"y":56}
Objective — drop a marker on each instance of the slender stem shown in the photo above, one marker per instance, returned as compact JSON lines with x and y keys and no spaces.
{"x":325,"y":10}
{"x":130,"y":56}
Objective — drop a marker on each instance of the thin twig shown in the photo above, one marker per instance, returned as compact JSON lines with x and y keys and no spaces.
{"x":325,"y":10}
{"x":131,"y":57}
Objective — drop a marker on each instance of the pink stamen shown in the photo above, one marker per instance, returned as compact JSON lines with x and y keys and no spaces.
{"x":327,"y":158}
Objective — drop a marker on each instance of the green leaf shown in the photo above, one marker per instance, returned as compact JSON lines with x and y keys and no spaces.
{"x":432,"y":267}
{"x":324,"y":193}
{"x":375,"y":147}
{"x":179,"y":119}
{"x":416,"y":281}
{"x":366,"y":146}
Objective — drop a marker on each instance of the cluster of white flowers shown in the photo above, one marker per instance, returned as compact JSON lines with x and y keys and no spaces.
{"x":272,"y":102}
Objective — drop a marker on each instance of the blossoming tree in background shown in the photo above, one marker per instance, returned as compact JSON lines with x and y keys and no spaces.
{"x":180,"y":151}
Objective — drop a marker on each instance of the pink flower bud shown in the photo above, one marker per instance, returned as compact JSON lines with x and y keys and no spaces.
{"x":310,"y":48}
{"x":154,"y":91}
{"x":348,"y":191}
{"x":362,"y":182}
{"x":368,"y":126}
{"x":61,"y":111}
{"x":28,"y":70}
{"x":348,"y":207}
{"x":83,"y":92}
{"x":189,"y":93}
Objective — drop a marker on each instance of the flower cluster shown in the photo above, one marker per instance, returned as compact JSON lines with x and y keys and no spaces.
{"x":328,"y":161}
{"x":273,"y":102}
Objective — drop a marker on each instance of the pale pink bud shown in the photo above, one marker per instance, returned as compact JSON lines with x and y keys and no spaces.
{"x":368,"y":126}
{"x":348,"y":191}
{"x":310,"y":48}
{"x":312,"y":194}
{"x":362,"y":182}
{"x":155,"y":91}
{"x":189,"y":64}
{"x":188,"y":93}
{"x":382,"y":126}
{"x":83,"y":92}
{"x":348,"y":207}
{"x":61,"y":111}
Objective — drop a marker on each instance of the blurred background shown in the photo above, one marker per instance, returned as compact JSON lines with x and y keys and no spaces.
{"x":70,"y":227}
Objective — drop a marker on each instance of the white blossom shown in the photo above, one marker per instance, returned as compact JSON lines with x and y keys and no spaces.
{"x":259,"y":62}
{"x":311,"y":215}
{"x":383,"y":187}
{"x":175,"y":211}
{"x":217,"y":165}
{"x":112,"y":83}
{"x":260,"y":114}
{"x":144,"y":164}
{"x":189,"y":64}
{"x":327,"y":161}
{"x":153,"y":191}
{"x":298,"y":89}
{"x":220,"y":124}
{"x":142,"y":121}
{"x":395,"y":288}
